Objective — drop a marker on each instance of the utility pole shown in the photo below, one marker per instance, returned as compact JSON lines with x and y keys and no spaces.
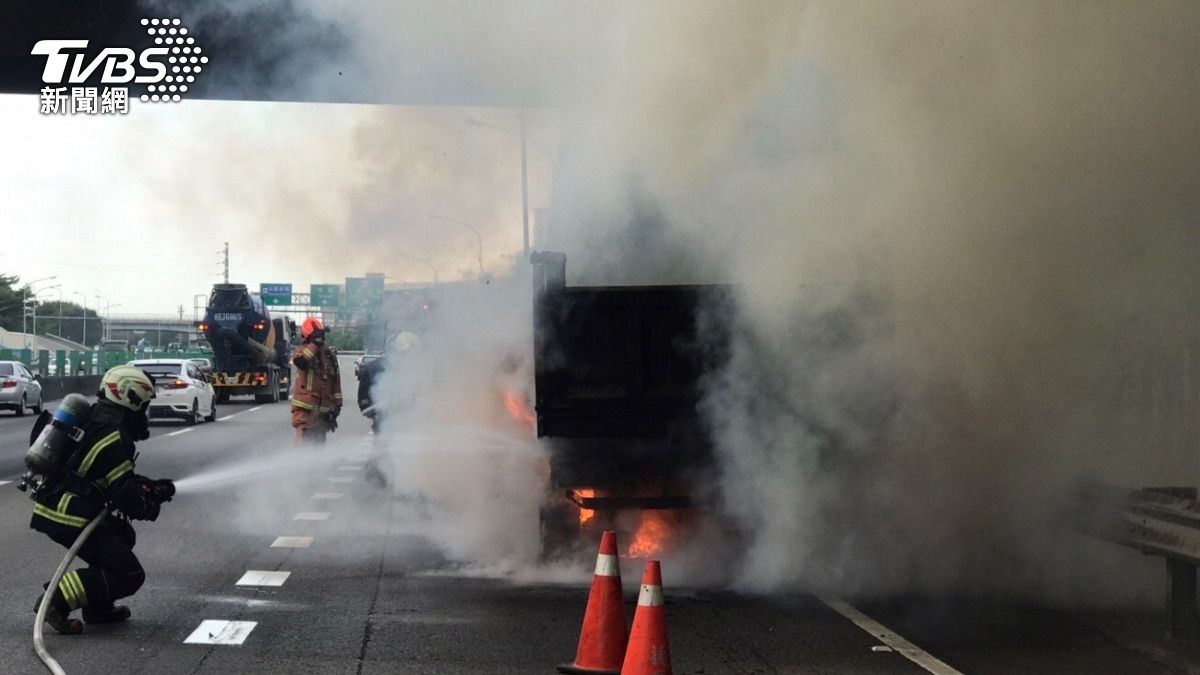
{"x":226,"y":262}
{"x":524,"y":189}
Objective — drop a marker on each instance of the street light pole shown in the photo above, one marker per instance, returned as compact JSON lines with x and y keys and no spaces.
{"x":25,"y":308}
{"x":524,"y":168}
{"x":524,"y":189}
{"x":423,"y":261}
{"x":85,"y":308}
{"x":478,"y":239}
{"x":104,"y":334}
{"x":35,"y":304}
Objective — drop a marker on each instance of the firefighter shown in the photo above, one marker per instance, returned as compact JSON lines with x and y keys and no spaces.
{"x":317,"y":391}
{"x":99,"y":478}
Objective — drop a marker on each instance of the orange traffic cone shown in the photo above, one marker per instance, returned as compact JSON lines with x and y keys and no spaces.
{"x":602,"y":640}
{"x":649,"y":652}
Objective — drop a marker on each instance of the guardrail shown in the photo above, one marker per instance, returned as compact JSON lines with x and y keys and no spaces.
{"x":1156,"y":521}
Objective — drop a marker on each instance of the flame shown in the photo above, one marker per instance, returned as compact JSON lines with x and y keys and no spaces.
{"x":585,"y":515}
{"x":651,"y":536}
{"x":518,"y":408}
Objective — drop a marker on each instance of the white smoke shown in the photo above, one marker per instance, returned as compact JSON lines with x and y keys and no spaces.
{"x":961,"y":238}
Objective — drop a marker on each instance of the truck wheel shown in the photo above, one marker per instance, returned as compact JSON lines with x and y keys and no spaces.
{"x":222,"y":397}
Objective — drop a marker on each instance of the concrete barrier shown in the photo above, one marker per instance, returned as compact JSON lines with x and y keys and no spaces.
{"x":54,"y":388}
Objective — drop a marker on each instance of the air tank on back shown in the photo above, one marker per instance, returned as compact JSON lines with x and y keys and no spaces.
{"x":48,"y":453}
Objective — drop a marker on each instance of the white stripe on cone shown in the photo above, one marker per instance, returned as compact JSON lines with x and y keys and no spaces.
{"x":650,"y":596}
{"x":607,"y":566}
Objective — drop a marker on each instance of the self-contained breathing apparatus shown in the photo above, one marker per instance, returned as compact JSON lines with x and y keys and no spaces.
{"x":56,"y":439}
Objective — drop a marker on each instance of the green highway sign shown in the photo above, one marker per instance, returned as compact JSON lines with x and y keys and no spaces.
{"x":276,"y":294}
{"x":364,"y":294}
{"x":326,"y":295}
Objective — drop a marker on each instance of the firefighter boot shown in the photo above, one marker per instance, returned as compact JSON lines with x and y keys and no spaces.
{"x":57,"y":616}
{"x":112,"y":614}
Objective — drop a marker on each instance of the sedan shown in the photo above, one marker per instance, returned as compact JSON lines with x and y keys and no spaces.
{"x":18,"y":389}
{"x":181,"y":390}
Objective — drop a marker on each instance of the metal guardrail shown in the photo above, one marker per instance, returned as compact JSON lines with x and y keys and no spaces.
{"x":1156,"y":521}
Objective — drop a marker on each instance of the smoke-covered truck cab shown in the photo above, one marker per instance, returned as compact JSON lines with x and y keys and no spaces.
{"x":250,"y":349}
{"x":620,"y":373}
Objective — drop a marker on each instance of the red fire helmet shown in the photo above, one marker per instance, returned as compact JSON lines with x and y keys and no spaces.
{"x":311,"y":325}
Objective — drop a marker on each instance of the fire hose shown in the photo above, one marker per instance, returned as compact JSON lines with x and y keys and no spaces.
{"x":39,"y":644}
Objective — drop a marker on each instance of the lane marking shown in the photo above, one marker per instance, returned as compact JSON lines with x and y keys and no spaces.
{"x":254,"y":408}
{"x":312,"y":515}
{"x":263,"y":578}
{"x":905,"y":648}
{"x":292,"y":542}
{"x":5,"y":482}
{"x":181,"y":431}
{"x":340,"y":479}
{"x":351,"y":467}
{"x":229,"y":417}
{"x":220,"y":632}
{"x":327,"y":495}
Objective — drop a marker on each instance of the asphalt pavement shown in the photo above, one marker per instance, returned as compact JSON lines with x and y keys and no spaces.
{"x":333,"y":581}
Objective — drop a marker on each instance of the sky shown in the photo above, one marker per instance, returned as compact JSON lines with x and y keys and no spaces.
{"x":137,"y":208}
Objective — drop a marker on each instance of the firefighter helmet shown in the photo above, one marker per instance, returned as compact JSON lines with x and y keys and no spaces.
{"x":311,"y":325}
{"x":128,"y":387}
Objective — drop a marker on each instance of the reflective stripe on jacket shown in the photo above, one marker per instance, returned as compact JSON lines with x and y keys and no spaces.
{"x":318,"y":385}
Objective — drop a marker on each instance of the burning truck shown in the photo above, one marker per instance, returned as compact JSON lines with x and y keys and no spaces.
{"x":619,"y":374}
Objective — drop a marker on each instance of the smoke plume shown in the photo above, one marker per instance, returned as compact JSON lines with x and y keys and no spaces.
{"x":961,"y":239}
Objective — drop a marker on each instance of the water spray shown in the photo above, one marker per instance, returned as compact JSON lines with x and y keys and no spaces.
{"x":39,"y":644}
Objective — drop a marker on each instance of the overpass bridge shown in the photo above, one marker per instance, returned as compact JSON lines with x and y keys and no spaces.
{"x":164,"y":327}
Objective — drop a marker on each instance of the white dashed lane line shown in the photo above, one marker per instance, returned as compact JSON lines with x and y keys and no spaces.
{"x":263,"y":578}
{"x":312,"y":515}
{"x":885,"y":635}
{"x":327,"y":495}
{"x":220,"y":632}
{"x":292,"y":542}
{"x":5,"y":482}
{"x":257,"y":407}
{"x":181,"y":431}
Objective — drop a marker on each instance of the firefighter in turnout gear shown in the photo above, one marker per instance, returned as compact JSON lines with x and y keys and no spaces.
{"x":317,"y":391}
{"x":99,"y":478}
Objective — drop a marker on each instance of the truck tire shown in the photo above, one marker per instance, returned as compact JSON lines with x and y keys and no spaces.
{"x":222,"y":397}
{"x":269,"y":396}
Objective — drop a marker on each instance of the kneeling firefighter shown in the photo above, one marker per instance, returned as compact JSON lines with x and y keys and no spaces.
{"x":81,"y":464}
{"x":317,"y":390}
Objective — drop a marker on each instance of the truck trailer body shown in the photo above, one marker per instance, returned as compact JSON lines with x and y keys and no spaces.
{"x":250,"y":349}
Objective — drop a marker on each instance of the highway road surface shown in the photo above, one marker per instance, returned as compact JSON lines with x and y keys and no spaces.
{"x":301,"y":566}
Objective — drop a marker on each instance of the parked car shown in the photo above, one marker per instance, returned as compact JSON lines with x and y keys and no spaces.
{"x":360,"y":364}
{"x":19,"y":390}
{"x":204,"y":364}
{"x":181,"y":390}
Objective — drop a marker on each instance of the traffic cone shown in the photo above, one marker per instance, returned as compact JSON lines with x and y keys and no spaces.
{"x":602,"y":639}
{"x":649,"y":652}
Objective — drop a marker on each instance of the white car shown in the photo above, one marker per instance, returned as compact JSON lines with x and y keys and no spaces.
{"x":181,"y":390}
